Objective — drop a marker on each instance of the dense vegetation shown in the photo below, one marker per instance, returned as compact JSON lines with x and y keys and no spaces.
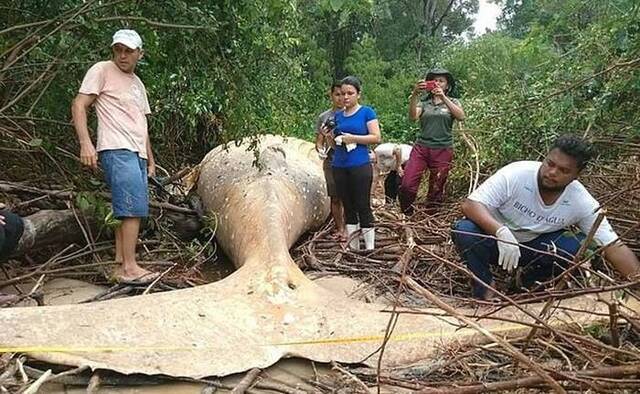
{"x":219,"y":70}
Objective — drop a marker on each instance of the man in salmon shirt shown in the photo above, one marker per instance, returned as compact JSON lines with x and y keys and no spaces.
{"x":123,"y":145}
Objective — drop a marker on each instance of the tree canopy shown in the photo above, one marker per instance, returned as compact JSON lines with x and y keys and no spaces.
{"x":220,"y":70}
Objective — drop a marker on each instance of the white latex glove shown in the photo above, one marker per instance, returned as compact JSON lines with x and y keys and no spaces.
{"x":348,"y":147}
{"x":508,"y":249}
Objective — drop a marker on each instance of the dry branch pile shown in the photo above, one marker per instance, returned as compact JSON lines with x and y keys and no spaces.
{"x":412,"y":254}
{"x":600,"y":358}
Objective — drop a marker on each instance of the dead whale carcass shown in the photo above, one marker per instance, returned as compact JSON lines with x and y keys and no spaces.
{"x":264,"y":311}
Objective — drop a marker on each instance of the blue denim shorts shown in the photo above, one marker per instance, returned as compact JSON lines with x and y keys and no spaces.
{"x":126,"y":174}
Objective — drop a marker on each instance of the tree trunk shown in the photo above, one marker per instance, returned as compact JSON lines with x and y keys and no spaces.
{"x":60,"y":227}
{"x":48,"y":228}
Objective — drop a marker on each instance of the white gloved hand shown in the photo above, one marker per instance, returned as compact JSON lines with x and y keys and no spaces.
{"x":338,"y":140}
{"x":351,"y":146}
{"x":508,"y":249}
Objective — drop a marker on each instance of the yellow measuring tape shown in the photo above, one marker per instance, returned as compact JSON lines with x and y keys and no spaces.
{"x":323,"y":341}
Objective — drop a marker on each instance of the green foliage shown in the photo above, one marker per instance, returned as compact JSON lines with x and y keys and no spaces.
{"x":214,"y":71}
{"x":91,"y":204}
{"x":384,"y":89}
{"x":554,"y":81}
{"x":411,"y":28}
{"x":218,"y":71}
{"x":596,"y":330}
{"x":552,"y":70}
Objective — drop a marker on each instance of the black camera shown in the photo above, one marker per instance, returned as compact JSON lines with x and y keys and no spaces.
{"x":330,"y":123}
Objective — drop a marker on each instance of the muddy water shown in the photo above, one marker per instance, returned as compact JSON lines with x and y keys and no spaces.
{"x":178,"y":388}
{"x":295,"y":373}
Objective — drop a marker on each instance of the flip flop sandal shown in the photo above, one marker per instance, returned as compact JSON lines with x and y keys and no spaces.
{"x":145,"y":279}
{"x":141,"y":280}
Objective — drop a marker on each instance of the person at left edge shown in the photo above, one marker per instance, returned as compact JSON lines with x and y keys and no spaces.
{"x":11,"y":228}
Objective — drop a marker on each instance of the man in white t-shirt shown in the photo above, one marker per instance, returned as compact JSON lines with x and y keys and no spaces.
{"x":532,"y":203}
{"x":123,"y":144}
{"x":389,"y":161}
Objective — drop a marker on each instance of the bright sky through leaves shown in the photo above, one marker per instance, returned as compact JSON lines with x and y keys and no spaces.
{"x":486,"y":17}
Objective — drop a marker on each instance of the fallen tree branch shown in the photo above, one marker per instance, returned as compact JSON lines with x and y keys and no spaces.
{"x":246,"y":382}
{"x":562,"y":283}
{"x":401,"y":265}
{"x":151,"y":22}
{"x":362,"y":387}
{"x":506,"y":345}
{"x":35,"y":386}
{"x":536,"y":381}
{"x":9,"y":187}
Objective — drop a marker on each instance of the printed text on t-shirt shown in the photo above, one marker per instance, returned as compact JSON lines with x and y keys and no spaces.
{"x":536,"y":216}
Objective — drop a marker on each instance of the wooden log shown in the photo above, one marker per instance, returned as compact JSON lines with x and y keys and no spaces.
{"x":47,"y":228}
{"x":50,"y":227}
{"x":60,"y":227}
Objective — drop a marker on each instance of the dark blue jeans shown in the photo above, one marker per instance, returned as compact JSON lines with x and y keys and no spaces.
{"x":392,"y":185}
{"x":478,"y":252}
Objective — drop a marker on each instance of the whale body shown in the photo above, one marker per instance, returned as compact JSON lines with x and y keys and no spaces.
{"x":264,"y":193}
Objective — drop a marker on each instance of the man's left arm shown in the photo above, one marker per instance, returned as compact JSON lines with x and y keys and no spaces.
{"x":622,"y":259}
{"x":616,"y":252}
{"x":151,"y":162}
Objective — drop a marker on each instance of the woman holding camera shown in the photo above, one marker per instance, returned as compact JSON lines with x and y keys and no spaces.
{"x":356,"y":127}
{"x":433,"y":149}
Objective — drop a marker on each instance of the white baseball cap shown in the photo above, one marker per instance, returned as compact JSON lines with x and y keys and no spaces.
{"x":127,"y":37}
